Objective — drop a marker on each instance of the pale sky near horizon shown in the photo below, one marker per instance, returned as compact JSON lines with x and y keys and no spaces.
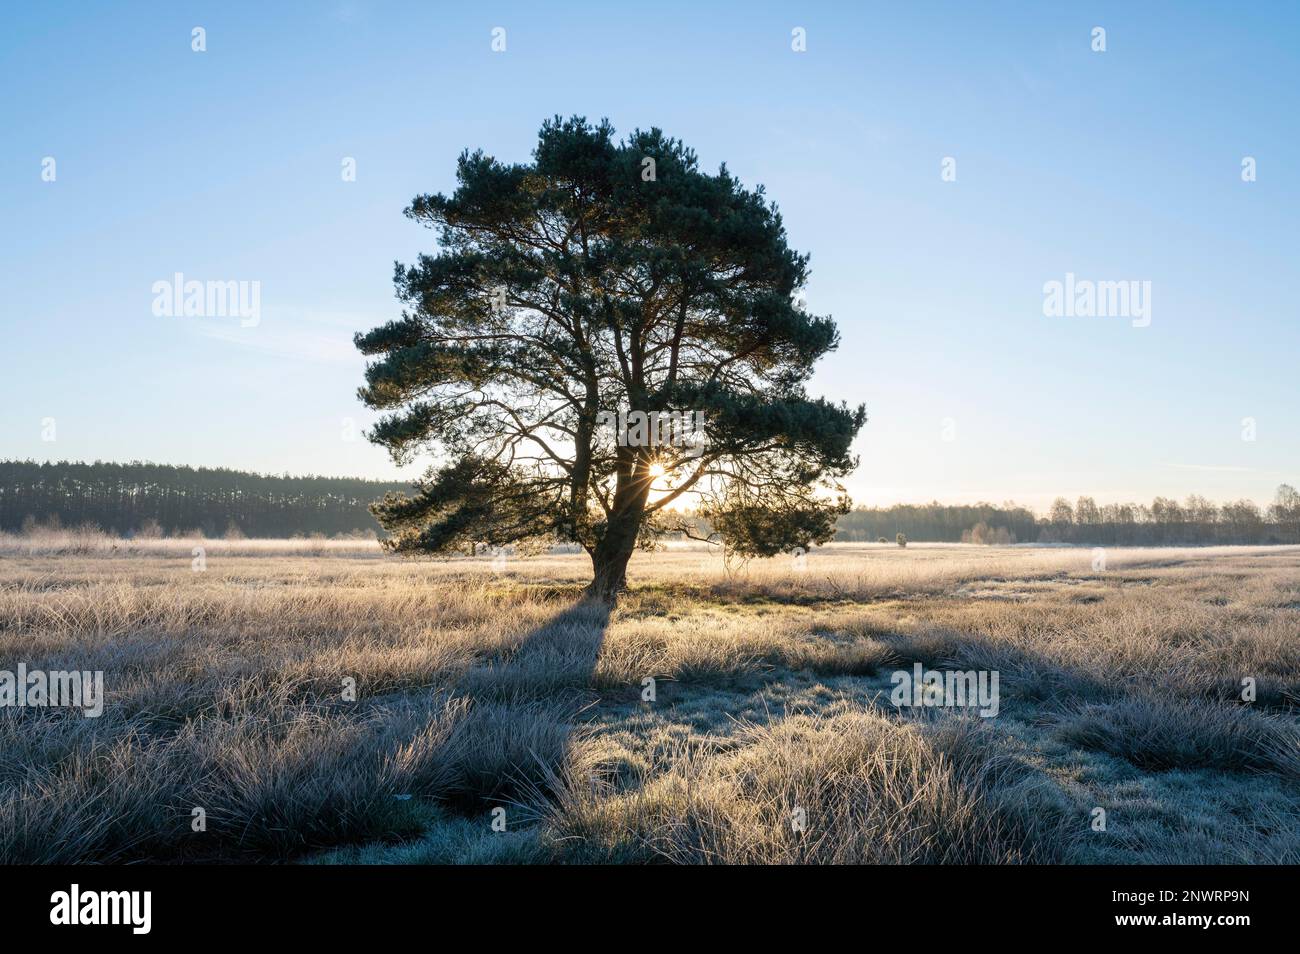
{"x":1111,"y":166}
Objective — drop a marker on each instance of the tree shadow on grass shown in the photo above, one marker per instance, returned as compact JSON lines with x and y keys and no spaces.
{"x":557,"y":658}
{"x":516,"y":738}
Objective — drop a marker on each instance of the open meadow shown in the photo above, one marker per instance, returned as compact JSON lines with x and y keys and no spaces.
{"x":1146,"y":708}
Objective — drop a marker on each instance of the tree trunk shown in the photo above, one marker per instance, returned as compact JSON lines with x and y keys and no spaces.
{"x":614,"y":548}
{"x":609,"y":561}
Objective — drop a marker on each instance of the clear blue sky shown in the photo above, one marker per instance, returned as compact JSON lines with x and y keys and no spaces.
{"x":1114,"y":166}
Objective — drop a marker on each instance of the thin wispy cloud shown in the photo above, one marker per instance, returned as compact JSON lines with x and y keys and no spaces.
{"x":316,"y":337}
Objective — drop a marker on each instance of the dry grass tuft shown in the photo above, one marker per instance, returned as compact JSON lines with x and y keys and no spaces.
{"x":851,"y":788}
{"x":1159,"y":734}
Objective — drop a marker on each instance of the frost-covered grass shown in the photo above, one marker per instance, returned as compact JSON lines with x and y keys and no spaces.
{"x":770,"y":737}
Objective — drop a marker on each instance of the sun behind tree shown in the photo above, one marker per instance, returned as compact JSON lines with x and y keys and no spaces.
{"x":575,"y":298}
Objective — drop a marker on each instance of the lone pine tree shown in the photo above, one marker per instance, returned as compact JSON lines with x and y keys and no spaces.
{"x":601,"y":280}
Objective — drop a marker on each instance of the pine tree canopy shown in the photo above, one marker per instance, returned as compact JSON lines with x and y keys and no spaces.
{"x":573,"y":299}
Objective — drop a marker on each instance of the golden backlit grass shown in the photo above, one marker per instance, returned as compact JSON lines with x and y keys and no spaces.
{"x":480,"y":688}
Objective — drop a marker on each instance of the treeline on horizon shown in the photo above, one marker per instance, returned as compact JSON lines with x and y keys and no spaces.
{"x":1196,"y":521}
{"x":162,"y":499}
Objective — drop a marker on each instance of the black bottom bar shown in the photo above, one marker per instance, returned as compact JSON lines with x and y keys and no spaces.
{"x":333,"y":904}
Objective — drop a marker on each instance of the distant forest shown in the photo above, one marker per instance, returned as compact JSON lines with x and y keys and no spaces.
{"x":156,"y":499}
{"x":1164,"y":522}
